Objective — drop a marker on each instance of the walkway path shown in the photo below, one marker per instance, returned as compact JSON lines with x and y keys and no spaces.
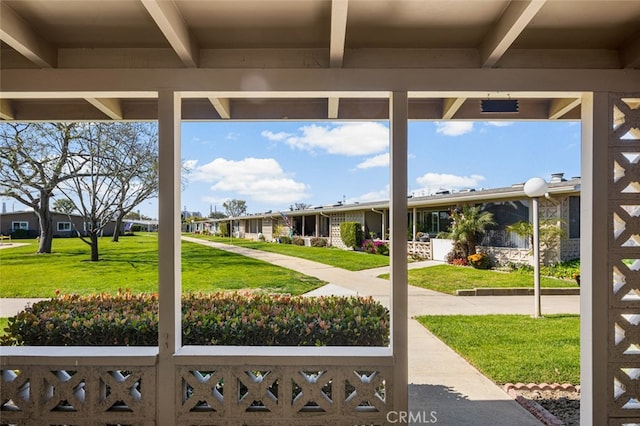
{"x":440,"y":380}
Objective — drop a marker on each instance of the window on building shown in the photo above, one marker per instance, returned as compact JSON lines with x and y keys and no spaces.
{"x":574,"y":217}
{"x":20,"y":225}
{"x":506,"y":213}
{"x":253,"y":226}
{"x":64,"y":226}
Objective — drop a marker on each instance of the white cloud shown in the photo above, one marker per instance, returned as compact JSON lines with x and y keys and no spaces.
{"x":454,"y":128}
{"x":258,"y":179}
{"x":280,"y":136}
{"x":381,"y":160}
{"x":431,"y":182}
{"x":189,"y":165}
{"x":351,"y":139}
{"x":499,"y":123}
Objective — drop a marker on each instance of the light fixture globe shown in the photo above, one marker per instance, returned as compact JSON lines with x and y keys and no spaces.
{"x":535,"y":187}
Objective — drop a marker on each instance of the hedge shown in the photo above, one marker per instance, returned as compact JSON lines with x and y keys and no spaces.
{"x":351,"y":234}
{"x":238,"y":319}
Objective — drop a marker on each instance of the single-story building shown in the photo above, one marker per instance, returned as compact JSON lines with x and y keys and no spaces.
{"x":25,"y":224}
{"x":428,"y":216}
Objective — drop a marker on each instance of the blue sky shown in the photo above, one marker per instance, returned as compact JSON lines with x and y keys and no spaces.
{"x":272,"y":165}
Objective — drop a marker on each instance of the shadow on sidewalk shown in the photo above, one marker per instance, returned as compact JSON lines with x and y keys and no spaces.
{"x":442,"y":405}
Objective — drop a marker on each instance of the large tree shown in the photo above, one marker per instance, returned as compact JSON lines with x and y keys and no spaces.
{"x":33,"y":162}
{"x":137,"y":167}
{"x":113,"y":179}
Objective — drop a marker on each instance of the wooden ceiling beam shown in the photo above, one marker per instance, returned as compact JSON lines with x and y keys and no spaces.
{"x":450,"y":106}
{"x":514,"y":20}
{"x":6,"y":110}
{"x":110,"y":107}
{"x":20,"y":36}
{"x":222,"y":106}
{"x":167,"y":17}
{"x":333,"y":107}
{"x":338,"y":32}
{"x":560,"y":106}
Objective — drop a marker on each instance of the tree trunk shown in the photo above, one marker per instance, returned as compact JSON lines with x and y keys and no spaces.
{"x":45,"y":220}
{"x":94,"y":247}
{"x":116,"y":230}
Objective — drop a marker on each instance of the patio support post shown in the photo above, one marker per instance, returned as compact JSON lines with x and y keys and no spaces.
{"x":414,"y":212}
{"x":398,"y":217}
{"x":169,"y":328}
{"x":594,"y":256}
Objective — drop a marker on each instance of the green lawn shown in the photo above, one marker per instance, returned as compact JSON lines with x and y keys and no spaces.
{"x":345,"y":259}
{"x":449,"y":278}
{"x":514,"y":348}
{"x":3,"y":324}
{"x":133,"y":264}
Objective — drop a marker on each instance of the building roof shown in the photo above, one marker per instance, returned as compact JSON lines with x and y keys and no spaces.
{"x":514,"y":192}
{"x":311,"y":59}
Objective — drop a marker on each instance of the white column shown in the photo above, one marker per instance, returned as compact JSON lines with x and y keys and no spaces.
{"x":537,"y":312}
{"x":414,"y":212}
{"x":594,"y":294}
{"x":317,"y":225}
{"x":169,"y":269}
{"x":398,"y":218}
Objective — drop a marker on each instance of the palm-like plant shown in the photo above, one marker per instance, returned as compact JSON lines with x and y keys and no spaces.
{"x":468,"y":225}
{"x":550,"y":234}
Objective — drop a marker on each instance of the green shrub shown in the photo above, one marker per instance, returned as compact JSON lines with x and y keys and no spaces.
{"x":383,"y":249}
{"x":318,"y":242}
{"x":351,"y":234}
{"x":19,"y":234}
{"x":479,"y":260}
{"x":284,"y":240}
{"x":207,"y":319}
{"x":298,"y":241}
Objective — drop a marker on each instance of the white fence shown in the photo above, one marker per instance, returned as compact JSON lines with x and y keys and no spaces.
{"x":214,"y":385}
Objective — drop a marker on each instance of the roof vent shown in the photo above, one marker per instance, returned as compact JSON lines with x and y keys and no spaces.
{"x":557,"y":177}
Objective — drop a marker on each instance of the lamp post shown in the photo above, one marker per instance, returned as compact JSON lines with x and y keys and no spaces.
{"x":535,"y":188}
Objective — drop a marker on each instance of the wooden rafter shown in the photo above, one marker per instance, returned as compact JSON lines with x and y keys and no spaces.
{"x":513,"y":21}
{"x":112,"y":108}
{"x":167,"y":17}
{"x":20,"y":36}
{"x":338,"y":31}
{"x":222,"y":106}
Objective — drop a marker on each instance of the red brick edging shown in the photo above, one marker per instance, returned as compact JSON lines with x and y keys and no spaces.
{"x":538,"y":411}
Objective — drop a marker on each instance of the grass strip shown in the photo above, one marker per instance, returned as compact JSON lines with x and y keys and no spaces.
{"x":345,"y":259}
{"x":449,"y":278}
{"x":514,"y":348}
{"x":132,"y":264}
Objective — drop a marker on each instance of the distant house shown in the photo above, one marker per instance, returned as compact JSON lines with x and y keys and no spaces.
{"x":25,"y":224}
{"x":428,"y":216}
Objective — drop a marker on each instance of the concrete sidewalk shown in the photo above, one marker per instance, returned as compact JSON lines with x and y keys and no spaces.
{"x":440,"y":380}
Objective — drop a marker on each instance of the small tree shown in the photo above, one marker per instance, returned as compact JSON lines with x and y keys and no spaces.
{"x":550,"y":234}
{"x":468,"y":225}
{"x":235,"y":208}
